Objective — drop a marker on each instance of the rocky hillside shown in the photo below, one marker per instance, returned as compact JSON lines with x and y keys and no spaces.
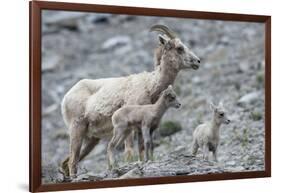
{"x":85,"y":45}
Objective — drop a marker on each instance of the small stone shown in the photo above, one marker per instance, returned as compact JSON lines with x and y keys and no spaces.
{"x":249,"y":98}
{"x":237,"y":169}
{"x":64,"y":19}
{"x":50,"y":63}
{"x":134,"y":173}
{"x":115,"y":42}
{"x":230,"y":163}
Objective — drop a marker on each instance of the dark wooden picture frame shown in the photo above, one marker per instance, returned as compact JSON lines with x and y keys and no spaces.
{"x":36,"y":7}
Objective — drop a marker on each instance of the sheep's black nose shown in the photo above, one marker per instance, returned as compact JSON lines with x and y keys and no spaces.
{"x":198,"y":61}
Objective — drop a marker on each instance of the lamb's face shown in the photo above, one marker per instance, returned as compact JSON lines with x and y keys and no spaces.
{"x":170,"y":98}
{"x":220,"y":114}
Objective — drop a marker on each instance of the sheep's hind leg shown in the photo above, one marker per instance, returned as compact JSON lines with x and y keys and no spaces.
{"x":88,"y":147}
{"x":64,"y":167}
{"x":77,"y":133}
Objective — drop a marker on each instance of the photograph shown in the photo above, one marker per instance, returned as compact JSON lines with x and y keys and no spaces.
{"x":126,"y":96}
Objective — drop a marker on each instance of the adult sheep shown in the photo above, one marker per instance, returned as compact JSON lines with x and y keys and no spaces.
{"x":88,"y":106}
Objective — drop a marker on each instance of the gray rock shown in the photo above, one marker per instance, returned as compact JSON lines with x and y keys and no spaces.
{"x":134,"y":173}
{"x":115,"y":42}
{"x":50,"y":63}
{"x":99,"y":18}
{"x":249,"y":98}
{"x":64,"y":19}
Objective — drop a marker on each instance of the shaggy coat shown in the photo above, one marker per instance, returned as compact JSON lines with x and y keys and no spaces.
{"x":207,"y":136}
{"x":143,"y":118}
{"x":88,"y":106}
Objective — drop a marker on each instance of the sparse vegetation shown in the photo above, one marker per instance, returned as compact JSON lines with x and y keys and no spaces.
{"x":245,"y":138}
{"x":256,"y":116}
{"x":168,"y":128}
{"x":260,"y":78}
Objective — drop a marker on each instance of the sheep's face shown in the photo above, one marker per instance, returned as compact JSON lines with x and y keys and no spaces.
{"x":179,"y":54}
{"x":170,"y":98}
{"x":219,"y":114}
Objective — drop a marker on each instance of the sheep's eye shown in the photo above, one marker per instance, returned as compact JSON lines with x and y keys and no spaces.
{"x":172,"y":98}
{"x":221,"y":114}
{"x":180,"y":49}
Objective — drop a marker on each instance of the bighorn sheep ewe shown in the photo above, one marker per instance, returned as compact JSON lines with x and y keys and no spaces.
{"x":88,"y":106}
{"x":206,"y":136}
{"x":143,"y":118}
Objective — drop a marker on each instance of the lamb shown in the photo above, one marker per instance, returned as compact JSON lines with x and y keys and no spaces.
{"x":206,"y":136}
{"x":142,"y":118}
{"x":88,"y":106}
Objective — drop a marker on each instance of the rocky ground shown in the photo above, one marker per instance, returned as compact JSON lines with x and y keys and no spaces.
{"x":85,"y":45}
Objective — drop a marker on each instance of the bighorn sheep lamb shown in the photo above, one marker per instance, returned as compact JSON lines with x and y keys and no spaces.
{"x":88,"y":106}
{"x":142,"y":118}
{"x":206,"y":136}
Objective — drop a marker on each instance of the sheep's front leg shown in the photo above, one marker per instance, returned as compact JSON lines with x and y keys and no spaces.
{"x":147,"y":141}
{"x":88,"y":147}
{"x":77,"y":133}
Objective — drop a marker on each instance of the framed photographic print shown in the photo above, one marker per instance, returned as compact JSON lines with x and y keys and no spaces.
{"x":125,"y":96}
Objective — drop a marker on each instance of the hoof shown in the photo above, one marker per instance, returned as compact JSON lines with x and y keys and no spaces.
{"x":72,"y":177}
{"x":112,"y":166}
{"x":63,"y":169}
{"x":129,"y":155}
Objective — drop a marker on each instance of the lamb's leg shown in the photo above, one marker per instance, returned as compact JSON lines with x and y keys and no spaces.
{"x":77,"y":133}
{"x":151,"y":143}
{"x":129,"y":150}
{"x":118,"y":138}
{"x":195,"y":147}
{"x":111,"y":152}
{"x":215,"y":154}
{"x":147,"y":141}
{"x":140,"y":145}
{"x":205,"y":152}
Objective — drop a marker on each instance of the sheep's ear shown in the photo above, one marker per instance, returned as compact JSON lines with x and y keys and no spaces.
{"x":168,"y":45}
{"x":162,"y":39}
{"x":212,"y":106}
{"x":166,"y":92}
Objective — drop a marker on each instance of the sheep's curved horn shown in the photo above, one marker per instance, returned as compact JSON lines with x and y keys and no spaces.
{"x":164,"y":29}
